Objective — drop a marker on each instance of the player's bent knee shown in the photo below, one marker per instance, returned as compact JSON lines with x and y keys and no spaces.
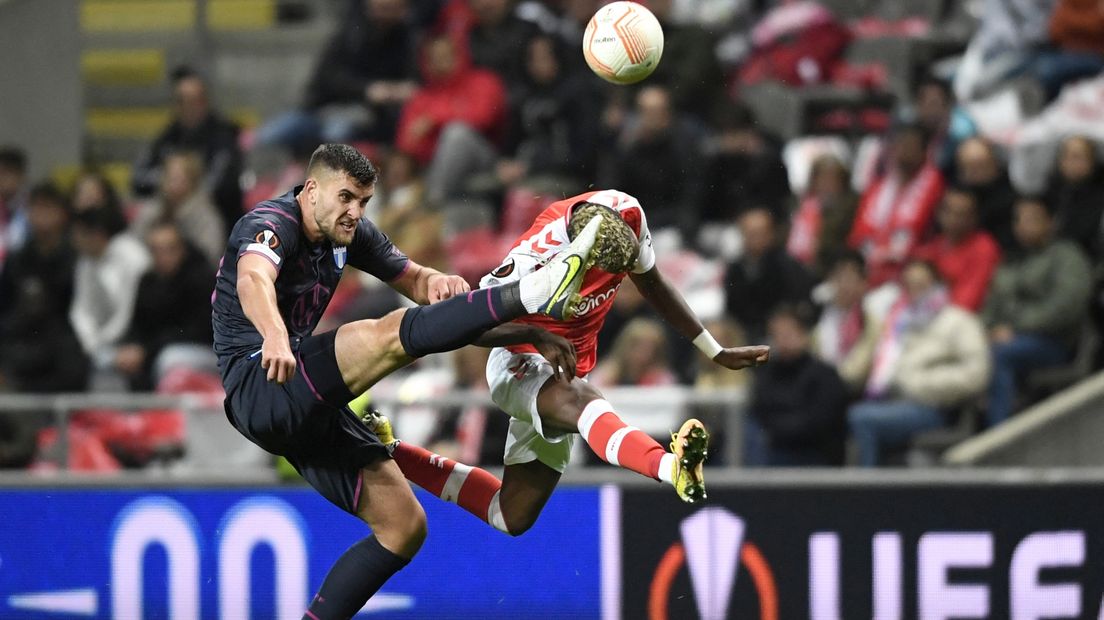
{"x":405,"y":533}
{"x":517,"y":526}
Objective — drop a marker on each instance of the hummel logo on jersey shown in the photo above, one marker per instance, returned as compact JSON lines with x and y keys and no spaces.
{"x":437,"y":461}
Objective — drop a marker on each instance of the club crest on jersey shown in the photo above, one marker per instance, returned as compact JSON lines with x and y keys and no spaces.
{"x":504,"y":270}
{"x":268,"y":239}
{"x":340,"y":254}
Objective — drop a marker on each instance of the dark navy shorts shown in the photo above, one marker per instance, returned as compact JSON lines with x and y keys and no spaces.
{"x":305,"y":420}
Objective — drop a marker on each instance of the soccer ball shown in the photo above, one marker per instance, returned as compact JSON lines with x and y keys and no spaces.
{"x":623,"y":43}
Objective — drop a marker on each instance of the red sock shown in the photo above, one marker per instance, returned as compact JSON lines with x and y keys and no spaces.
{"x":471,"y":488}
{"x":618,"y":443}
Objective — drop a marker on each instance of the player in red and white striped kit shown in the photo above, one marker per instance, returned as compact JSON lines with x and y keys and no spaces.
{"x":549,"y":405}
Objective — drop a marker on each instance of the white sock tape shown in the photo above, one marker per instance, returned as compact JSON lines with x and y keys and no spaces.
{"x":591,"y":412}
{"x":706,"y":343}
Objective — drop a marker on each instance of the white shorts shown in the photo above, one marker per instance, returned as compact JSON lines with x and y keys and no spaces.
{"x":515,"y":380}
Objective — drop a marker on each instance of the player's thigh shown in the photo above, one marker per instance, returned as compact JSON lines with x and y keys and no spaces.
{"x":369,"y":350}
{"x":387,"y":504}
{"x":561,"y":403}
{"x":526,"y":488}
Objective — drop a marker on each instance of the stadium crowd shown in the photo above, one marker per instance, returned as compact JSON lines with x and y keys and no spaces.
{"x":907,"y":277}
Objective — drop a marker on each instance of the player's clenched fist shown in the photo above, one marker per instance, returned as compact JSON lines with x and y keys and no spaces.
{"x":443,"y":286}
{"x":736,"y":358}
{"x":277,"y":359}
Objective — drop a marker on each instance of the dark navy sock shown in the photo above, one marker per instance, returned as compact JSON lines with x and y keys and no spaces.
{"x":354,"y":578}
{"x":457,"y":322}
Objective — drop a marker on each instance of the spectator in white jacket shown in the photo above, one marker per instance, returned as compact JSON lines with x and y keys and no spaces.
{"x":928,"y":359}
{"x":184,"y":202}
{"x":109,"y":266}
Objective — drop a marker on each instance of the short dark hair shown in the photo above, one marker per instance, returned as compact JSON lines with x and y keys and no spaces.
{"x":13,"y":158}
{"x":959,"y":188}
{"x":926,"y":264}
{"x":849,"y":258}
{"x":734,"y":116}
{"x":343,"y":158}
{"x":184,"y":72}
{"x":47,"y":191}
{"x":102,"y":219}
{"x":943,"y":86}
{"x":802,"y":314}
{"x":1038,"y":199}
{"x":914,"y":128}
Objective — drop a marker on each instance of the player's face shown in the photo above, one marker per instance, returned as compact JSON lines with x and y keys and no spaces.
{"x":339,"y":205}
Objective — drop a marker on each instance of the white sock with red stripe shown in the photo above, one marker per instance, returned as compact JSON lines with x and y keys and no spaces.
{"x":620,"y":444}
{"x":471,"y":488}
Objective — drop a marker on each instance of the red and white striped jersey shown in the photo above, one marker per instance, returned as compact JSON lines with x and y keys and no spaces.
{"x":544,"y":239}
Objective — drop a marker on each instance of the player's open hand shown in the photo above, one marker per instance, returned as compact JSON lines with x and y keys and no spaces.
{"x":559,"y":352}
{"x":736,"y":358}
{"x":276,"y":357}
{"x":442,"y":286}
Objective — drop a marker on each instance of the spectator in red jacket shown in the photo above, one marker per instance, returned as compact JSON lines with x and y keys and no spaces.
{"x":965,"y":255}
{"x":896,"y":210}
{"x":452,"y":121}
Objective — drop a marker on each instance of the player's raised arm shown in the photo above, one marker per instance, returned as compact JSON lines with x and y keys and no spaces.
{"x":425,"y":285}
{"x":673,"y":308}
{"x":257,"y":292}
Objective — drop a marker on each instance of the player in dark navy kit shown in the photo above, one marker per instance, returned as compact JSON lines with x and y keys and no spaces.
{"x":287,"y":388}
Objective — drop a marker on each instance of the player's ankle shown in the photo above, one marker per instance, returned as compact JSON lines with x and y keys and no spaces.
{"x":534,"y":290}
{"x":667,"y":468}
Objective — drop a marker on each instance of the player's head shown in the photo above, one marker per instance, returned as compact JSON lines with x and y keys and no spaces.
{"x":617,"y":246}
{"x":340,"y":181}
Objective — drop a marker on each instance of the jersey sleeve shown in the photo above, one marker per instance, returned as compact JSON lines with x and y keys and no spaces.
{"x":645,"y":258}
{"x":268,"y":232}
{"x":373,"y":252}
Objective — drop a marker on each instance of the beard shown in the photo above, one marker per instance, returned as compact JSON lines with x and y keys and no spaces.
{"x":337,"y":232}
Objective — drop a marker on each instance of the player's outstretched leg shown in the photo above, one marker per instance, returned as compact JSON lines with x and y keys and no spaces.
{"x":579,"y":406}
{"x":456,"y":322}
{"x":471,"y":488}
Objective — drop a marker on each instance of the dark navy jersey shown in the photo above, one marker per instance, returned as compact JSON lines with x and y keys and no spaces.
{"x":307,"y":273}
